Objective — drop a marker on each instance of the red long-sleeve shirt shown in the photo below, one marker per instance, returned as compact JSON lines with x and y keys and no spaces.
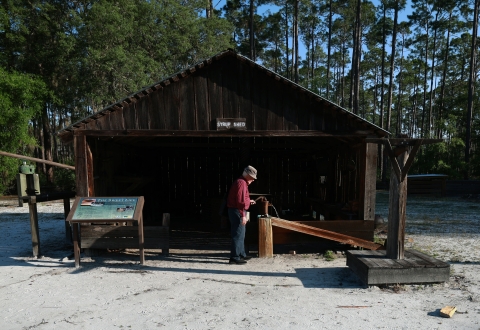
{"x":238,"y":196}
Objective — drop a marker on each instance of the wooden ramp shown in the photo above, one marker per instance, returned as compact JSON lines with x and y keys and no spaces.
{"x":374,"y":268}
{"x":309,"y":230}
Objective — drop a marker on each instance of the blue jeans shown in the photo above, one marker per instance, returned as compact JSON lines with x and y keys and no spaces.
{"x":237,"y":231}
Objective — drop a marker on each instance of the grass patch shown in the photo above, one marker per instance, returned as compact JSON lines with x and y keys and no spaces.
{"x":329,"y":255}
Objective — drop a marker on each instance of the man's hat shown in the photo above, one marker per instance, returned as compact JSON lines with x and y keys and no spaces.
{"x":250,"y":170}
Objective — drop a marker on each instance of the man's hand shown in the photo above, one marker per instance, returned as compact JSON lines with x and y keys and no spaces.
{"x":252,"y":202}
{"x":244,"y":221}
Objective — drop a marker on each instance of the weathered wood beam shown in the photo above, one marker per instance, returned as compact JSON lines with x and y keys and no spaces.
{"x":81,"y":175}
{"x":367,"y":186}
{"x":283,"y":147}
{"x":411,"y":158}
{"x":397,"y":213}
{"x":37,"y":160}
{"x":403,"y":141}
{"x":401,"y":170}
{"x":226,"y":133}
{"x":395,"y":166}
{"x":309,"y":230}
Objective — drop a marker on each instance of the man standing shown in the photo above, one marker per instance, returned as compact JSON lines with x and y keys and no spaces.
{"x":238,"y":201}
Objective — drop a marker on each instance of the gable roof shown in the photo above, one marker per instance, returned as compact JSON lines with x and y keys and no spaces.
{"x":179,"y":76}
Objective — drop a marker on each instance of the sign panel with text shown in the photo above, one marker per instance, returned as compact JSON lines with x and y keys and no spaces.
{"x":122,"y":208}
{"x":237,"y":124}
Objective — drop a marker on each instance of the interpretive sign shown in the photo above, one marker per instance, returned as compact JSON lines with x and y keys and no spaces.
{"x":98,"y":211}
{"x":231,"y":124}
{"x":94,"y":208}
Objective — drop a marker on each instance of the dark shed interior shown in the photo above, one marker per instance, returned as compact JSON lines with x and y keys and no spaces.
{"x":187,"y":176}
{"x":163,"y":143}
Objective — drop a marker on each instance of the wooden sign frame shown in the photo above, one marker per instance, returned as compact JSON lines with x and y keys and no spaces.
{"x":78,"y":216}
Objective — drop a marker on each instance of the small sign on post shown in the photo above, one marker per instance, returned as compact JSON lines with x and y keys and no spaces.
{"x":237,"y":124}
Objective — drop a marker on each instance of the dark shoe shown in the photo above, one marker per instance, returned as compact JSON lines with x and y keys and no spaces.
{"x":246,"y":258}
{"x":238,"y":262}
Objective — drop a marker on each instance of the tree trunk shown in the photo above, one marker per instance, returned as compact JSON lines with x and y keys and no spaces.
{"x":252,"y":36}
{"x":392,"y":67}
{"x":471,"y":89}
{"x":399,"y":100}
{"x":47,"y":138}
{"x":329,"y":46}
{"x":209,"y":11}
{"x":295,"y":34}
{"x":432,"y":90}
{"x":358,"y":56}
{"x":381,"y":150}
{"x":425,"y":78}
{"x":313,"y":55}
{"x":354,"y":75}
{"x":444,"y":78}
{"x":287,"y":64}
{"x":342,"y":88}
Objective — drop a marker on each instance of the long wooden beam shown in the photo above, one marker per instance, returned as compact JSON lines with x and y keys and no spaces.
{"x":196,"y":145}
{"x":301,"y":228}
{"x":225,"y":133}
{"x":402,"y":141}
{"x":37,"y":160}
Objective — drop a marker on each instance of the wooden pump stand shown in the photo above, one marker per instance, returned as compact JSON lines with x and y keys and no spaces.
{"x":265,"y":238}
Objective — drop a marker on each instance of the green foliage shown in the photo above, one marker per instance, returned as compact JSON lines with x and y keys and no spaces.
{"x":329,"y":255}
{"x":155,"y":39}
{"x":441,"y":158}
{"x":64,"y":181}
{"x":21,"y":98}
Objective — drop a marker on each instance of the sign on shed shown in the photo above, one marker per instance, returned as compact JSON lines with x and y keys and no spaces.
{"x":237,"y":124}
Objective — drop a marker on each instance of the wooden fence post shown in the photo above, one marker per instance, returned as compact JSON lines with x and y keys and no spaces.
{"x":68,"y":228}
{"x":397,"y":213}
{"x":32,"y":205}
{"x":166,"y":223}
{"x":265,"y":238}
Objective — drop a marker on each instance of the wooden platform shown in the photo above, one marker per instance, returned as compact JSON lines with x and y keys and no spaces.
{"x":373,"y":268}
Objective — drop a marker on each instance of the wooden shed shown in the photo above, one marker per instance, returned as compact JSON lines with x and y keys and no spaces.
{"x":182,"y":141}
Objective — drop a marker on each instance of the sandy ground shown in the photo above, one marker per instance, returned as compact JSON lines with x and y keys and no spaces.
{"x":194,"y":289}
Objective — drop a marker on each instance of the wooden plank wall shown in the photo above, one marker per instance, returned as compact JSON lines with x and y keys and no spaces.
{"x":188,"y":181}
{"x":225,"y":89}
{"x":462,"y":187}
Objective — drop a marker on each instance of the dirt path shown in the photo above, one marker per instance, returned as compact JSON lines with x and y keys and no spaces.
{"x":197,"y":289}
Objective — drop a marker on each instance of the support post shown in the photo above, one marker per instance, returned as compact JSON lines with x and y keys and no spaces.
{"x":166,"y":223}
{"x":32,"y":205}
{"x":397,"y":212}
{"x":368,"y":176}
{"x":265,"y":238}
{"x":81,"y":170}
{"x":68,"y":227}
{"x":76,"y":243}
{"x":141,"y":240}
